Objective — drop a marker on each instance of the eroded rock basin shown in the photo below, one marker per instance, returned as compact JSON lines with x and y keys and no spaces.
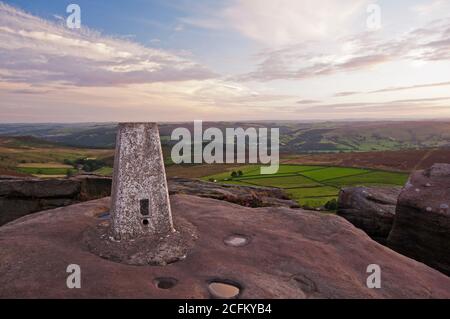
{"x":292,"y":254}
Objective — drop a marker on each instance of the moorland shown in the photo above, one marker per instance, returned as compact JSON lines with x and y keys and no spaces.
{"x":317,"y":159}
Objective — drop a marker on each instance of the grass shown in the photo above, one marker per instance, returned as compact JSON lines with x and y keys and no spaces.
{"x":47,"y":171}
{"x":314,"y":202}
{"x":105,"y":171}
{"x":281,"y":181}
{"x":31,"y":156}
{"x":311,"y":186}
{"x":285,"y":169}
{"x":250,"y":170}
{"x":31,"y":152}
{"x":44,"y":165}
{"x":324,"y":191}
{"x":372,"y":178}
{"x":333,"y":172}
{"x":46,"y":157}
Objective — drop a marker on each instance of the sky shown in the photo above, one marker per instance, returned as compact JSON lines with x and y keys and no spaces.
{"x":184,"y":60}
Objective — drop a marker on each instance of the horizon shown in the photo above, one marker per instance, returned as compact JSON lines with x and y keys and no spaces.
{"x":444,"y":120}
{"x":228,"y":61}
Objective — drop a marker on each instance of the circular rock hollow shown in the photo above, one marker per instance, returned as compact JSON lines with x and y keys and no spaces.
{"x":224,"y":289}
{"x":236,"y":240}
{"x":165,"y":282}
{"x":156,"y":249}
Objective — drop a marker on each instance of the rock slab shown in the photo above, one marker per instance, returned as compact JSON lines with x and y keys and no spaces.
{"x":290,"y":253}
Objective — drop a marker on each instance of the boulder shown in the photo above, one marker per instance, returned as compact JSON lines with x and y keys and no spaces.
{"x":288,"y":253}
{"x":93,"y":186}
{"x":12,"y":177}
{"x":20,"y":197}
{"x":14,"y":209}
{"x":371,"y":209}
{"x":242,"y":195}
{"x":421,"y":227}
{"x":39,"y":188}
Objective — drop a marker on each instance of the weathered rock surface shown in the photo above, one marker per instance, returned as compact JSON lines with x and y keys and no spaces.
{"x":290,"y":254}
{"x":49,"y":188}
{"x":93,"y":187}
{"x":11,"y":177}
{"x":421,"y":227}
{"x":242,"y":195}
{"x":371,"y":209}
{"x":25,"y":196}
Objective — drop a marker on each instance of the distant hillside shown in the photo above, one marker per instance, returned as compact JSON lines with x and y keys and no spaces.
{"x":79,"y":135}
{"x":24,"y":142}
{"x":25,"y":149}
{"x":295,"y":137}
{"x":405,"y":160}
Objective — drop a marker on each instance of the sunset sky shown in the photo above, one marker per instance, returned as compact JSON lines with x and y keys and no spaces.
{"x":158,"y":60}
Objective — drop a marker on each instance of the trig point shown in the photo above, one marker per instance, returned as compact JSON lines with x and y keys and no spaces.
{"x":140,"y":199}
{"x":140,"y":229}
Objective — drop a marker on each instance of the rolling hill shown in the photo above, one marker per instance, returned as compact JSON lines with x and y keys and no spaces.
{"x":295,"y":137}
{"x":17,"y":151}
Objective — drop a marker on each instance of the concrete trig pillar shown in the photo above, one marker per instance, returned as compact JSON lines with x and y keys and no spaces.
{"x":140,"y":200}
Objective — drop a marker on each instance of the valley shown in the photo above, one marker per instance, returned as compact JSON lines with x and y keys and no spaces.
{"x":311,"y":186}
{"x":317,"y":159}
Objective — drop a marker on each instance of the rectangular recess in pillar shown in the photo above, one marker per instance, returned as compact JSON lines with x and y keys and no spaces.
{"x":144,"y":207}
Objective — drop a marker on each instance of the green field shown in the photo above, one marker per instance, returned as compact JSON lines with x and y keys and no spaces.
{"x":46,"y":170}
{"x":311,"y":186}
{"x":105,"y":171}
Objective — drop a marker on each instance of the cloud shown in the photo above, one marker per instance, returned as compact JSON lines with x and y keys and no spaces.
{"x":221,"y":93}
{"x":49,"y":72}
{"x":348,"y":93}
{"x":395,"y":89}
{"x":308,"y":102}
{"x":429,"y":8}
{"x":179,"y":28}
{"x":29,"y":91}
{"x":377,"y":106}
{"x":34,"y":50}
{"x":268,"y":71}
{"x":359,"y":52}
{"x":283,"y":22}
{"x":418,"y":86}
{"x":58,"y":17}
{"x":204,"y":23}
{"x":155,"y":41}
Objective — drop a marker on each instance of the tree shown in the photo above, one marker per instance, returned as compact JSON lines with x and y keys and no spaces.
{"x":240,"y":173}
{"x":69,"y":173}
{"x":234,"y":174}
{"x":332,"y":204}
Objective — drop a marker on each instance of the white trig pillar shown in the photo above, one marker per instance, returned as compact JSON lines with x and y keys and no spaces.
{"x":140,"y":200}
